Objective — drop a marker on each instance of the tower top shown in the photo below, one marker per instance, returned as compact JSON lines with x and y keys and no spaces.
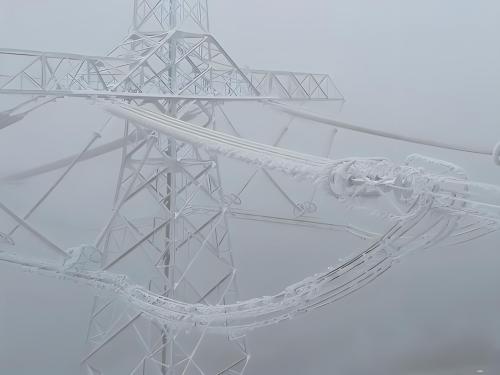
{"x":159,"y":16}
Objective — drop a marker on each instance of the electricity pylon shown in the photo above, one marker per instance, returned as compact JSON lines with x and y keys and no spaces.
{"x":168,"y":229}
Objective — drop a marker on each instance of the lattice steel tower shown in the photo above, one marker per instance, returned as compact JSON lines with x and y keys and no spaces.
{"x":168,"y":228}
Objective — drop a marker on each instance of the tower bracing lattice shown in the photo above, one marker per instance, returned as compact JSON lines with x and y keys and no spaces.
{"x":167,"y":299}
{"x":168,"y":230}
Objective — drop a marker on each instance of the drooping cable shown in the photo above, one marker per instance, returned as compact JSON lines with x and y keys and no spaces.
{"x":379,"y":133}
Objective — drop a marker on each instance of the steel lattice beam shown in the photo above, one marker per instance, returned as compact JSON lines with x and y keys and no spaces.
{"x":139,"y":68}
{"x":180,"y":247}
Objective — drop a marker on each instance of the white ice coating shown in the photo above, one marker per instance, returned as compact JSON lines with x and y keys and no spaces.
{"x":238,"y":318}
{"x":317,"y":118}
{"x":352,"y":180}
{"x":433,"y":204}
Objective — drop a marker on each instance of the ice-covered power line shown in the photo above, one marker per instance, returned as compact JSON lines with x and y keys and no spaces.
{"x":300,"y":113}
{"x":436,"y":207}
{"x":171,"y":60}
{"x":347,"y":179}
{"x":170,"y":210}
{"x":447,"y":200}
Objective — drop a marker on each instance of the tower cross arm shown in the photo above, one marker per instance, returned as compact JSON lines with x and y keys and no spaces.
{"x":204,"y":69}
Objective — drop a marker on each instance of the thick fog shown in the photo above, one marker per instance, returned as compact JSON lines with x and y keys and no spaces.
{"x":427,"y":69}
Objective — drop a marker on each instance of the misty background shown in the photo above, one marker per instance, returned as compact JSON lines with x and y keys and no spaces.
{"x":427,"y":69}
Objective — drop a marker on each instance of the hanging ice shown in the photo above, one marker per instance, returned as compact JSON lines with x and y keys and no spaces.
{"x":432,"y":203}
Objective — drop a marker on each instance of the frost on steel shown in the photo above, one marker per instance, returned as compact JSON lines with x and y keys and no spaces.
{"x":166,"y":85}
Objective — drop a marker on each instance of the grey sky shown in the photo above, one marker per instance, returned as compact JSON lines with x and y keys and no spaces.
{"x":426,"y":68}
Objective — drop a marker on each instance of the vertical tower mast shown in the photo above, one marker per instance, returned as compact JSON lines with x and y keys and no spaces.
{"x":190,"y":242}
{"x":153,"y":16}
{"x":168,"y":229}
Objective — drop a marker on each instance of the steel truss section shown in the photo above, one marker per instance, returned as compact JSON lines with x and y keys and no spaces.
{"x":294,"y":85}
{"x":153,"y":16}
{"x":203,"y":70}
{"x":168,"y":230}
{"x":180,"y":243}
